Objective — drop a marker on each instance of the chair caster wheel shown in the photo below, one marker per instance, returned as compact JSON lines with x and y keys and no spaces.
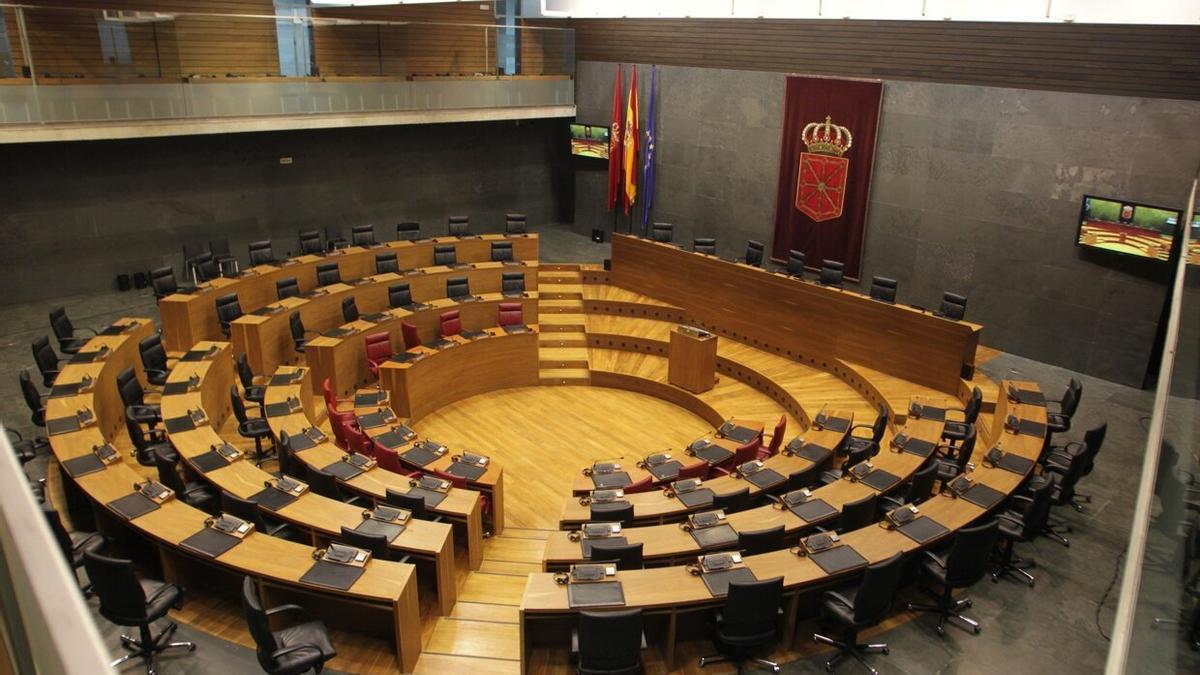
{"x":191,"y":648}
{"x":828,"y":668}
{"x":1031,"y":584}
{"x":995,"y":579}
{"x":978,"y":629}
{"x":886,"y":651}
{"x":941,"y":631}
{"x":968,"y":603}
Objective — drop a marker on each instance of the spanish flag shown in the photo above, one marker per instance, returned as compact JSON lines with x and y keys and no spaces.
{"x":631,"y":143}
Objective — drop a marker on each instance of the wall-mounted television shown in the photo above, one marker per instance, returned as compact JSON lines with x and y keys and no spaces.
{"x":589,"y":141}
{"x":1128,"y":228}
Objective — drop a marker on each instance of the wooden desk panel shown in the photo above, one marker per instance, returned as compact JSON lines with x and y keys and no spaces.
{"x":799,"y":317}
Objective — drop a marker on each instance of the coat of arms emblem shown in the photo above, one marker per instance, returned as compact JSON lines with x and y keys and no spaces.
{"x":821,"y":182}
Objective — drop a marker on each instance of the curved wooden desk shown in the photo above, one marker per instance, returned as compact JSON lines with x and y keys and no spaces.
{"x":320,"y":516}
{"x":385,"y":588}
{"x":190,"y":318}
{"x":669,"y":592}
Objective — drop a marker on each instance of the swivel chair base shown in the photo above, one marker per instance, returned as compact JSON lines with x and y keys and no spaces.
{"x":1011,"y":563}
{"x":148,"y":645}
{"x":948,"y":608}
{"x":849,"y":648}
{"x":718,"y":658}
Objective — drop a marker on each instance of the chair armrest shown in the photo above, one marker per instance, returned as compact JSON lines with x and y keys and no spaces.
{"x":279,"y":653}
{"x":940,"y":560}
{"x":837,"y":595}
{"x":93,"y":331}
{"x":16,"y":433}
{"x":723,"y":470}
{"x":88,"y":540}
{"x":773,"y":498}
{"x":287,"y":608}
{"x":161,"y":589}
{"x":868,"y":427}
{"x":1056,"y":466}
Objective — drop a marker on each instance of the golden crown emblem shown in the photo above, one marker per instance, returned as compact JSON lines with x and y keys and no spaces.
{"x":826,"y":137}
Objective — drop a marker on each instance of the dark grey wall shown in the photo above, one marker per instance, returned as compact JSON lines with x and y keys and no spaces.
{"x":976,"y":190}
{"x":76,"y":214}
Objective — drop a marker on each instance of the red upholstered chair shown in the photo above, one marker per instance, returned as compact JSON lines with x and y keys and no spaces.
{"x":379,"y":349}
{"x":357,"y":440}
{"x":336,"y":416}
{"x":776,"y":439}
{"x":699,"y":470}
{"x":389,"y":460}
{"x":342,"y":424}
{"x":411,"y":337}
{"x":644,"y":485}
{"x":485,"y":505}
{"x":451,"y":323}
{"x":743,"y":454}
{"x":511,"y":314}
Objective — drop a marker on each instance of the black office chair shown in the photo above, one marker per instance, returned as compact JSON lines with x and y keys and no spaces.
{"x":400,"y":296}
{"x":1062,"y":493}
{"x":732,"y":502}
{"x":1060,"y":422}
{"x":362,"y":235}
{"x":134,"y":398}
{"x":754,"y":253}
{"x":325,"y":484}
{"x":608,"y":643}
{"x":748,"y":620}
{"x":256,"y":428}
{"x":458,"y":226}
{"x":795,"y":264}
{"x":289,"y":464}
{"x":145,"y":447}
{"x":193,"y":493}
{"x":349,"y":309}
{"x":1074,"y":389}
{"x":1084,"y":452}
{"x":626,"y":556}
{"x":250,"y":391}
{"x":954,"y":306}
{"x":705,"y":245}
{"x":408,"y":231}
{"x":299,"y":334}
{"x":808,"y":477}
{"x":377,"y":544}
{"x":73,"y":544}
{"x":192,"y":251}
{"x":226,"y":261}
{"x":1024,"y":521}
{"x":662,"y":232}
{"x":229,"y":309}
{"x":955,"y":460}
{"x":261,"y":253}
{"x":288,"y":287}
{"x":502,"y":251}
{"x":444,"y":254}
{"x":154,"y":360}
{"x":414,"y":503}
{"x":613,"y":512}
{"x":512,"y":283}
{"x":249,"y":511}
{"x":515,"y":224}
{"x":47,"y":361}
{"x":34,"y":399}
{"x":68,"y":341}
{"x":854,"y":443}
{"x":832,"y":273}
{"x":334,"y":238}
{"x":883,"y":289}
{"x":128,"y":601}
{"x":386,"y":262}
{"x":955,"y":431}
{"x":310,"y":242}
{"x":857,"y":455}
{"x":162,"y":280}
{"x":328,"y":274}
{"x":856,"y":607}
{"x":958,"y":565}
{"x":296,"y":649}
{"x":919,"y":488}
{"x":858,"y":514}
{"x":458,"y":287}
{"x":761,"y":541}
{"x":204,"y":267}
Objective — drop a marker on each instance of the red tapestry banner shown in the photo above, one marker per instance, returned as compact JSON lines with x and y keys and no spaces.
{"x":826,"y":158}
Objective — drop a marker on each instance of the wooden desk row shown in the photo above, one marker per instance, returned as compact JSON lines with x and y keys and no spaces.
{"x":322,"y":517}
{"x":670,"y":592}
{"x":190,"y":318}
{"x":385,"y":589}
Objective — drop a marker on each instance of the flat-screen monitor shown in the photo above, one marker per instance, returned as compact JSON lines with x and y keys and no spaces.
{"x":589,"y":141}
{"x":1126,"y":227}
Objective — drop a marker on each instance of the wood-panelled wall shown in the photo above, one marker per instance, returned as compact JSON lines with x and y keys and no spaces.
{"x":1150,"y":61}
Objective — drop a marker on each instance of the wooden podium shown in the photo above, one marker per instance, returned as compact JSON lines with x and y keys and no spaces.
{"x":692,"y":359}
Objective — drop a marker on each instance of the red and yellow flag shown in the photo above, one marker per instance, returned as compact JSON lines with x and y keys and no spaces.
{"x":614,"y":145}
{"x":631,"y":143}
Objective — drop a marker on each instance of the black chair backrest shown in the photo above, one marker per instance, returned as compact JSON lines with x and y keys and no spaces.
{"x":163,"y":281}
{"x":457,"y":287}
{"x":310,"y":242}
{"x":858,"y":514}
{"x":808,"y":476}
{"x":261,"y":252}
{"x":920,"y":487}
{"x":860,"y":453}
{"x":386,"y":262}
{"x":1066,"y":484}
{"x":877,"y":592}
{"x":246,"y":509}
{"x":663,"y":232}
{"x":795,"y":263}
{"x":245,"y":375}
{"x":168,"y":475}
{"x":408,"y":231}
{"x":458,"y":226}
{"x":130,"y":389}
{"x":220,"y":248}
{"x":297,"y":326}
{"x":1070,"y":402}
{"x":444,"y":254}
{"x":413,"y":503}
{"x":974,"y":405}
{"x":206,"y":267}
{"x":884,"y":289}
{"x":967,"y":561}
{"x":140,"y":443}
{"x":751,"y":609}
{"x":259,"y":624}
{"x":288,"y":464}
{"x":613,"y":512}
{"x":1038,"y":511}
{"x":754,"y":252}
{"x":323,"y":483}
{"x":239,"y":406}
{"x":954,"y":306}
{"x":399,"y":295}
{"x":288,"y":287}
{"x":228,"y":309}
{"x":512,"y":282}
{"x":154,"y":355}
{"x":610,"y":642}
{"x":115,"y":582}
{"x":349,"y":309}
{"x":733,"y":501}
{"x":362,"y":235}
{"x":832,"y":273}
{"x":377,"y":544}
{"x":33,"y":398}
{"x":502,"y":251}
{"x":46,"y":359}
{"x":626,"y":556}
{"x":328,"y":273}
{"x":61,"y":324}
{"x":60,"y":532}
{"x":879,"y":426}
{"x":967,"y":447}
{"x":761,"y":541}
{"x":706,"y":245}
{"x":514,"y":223}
